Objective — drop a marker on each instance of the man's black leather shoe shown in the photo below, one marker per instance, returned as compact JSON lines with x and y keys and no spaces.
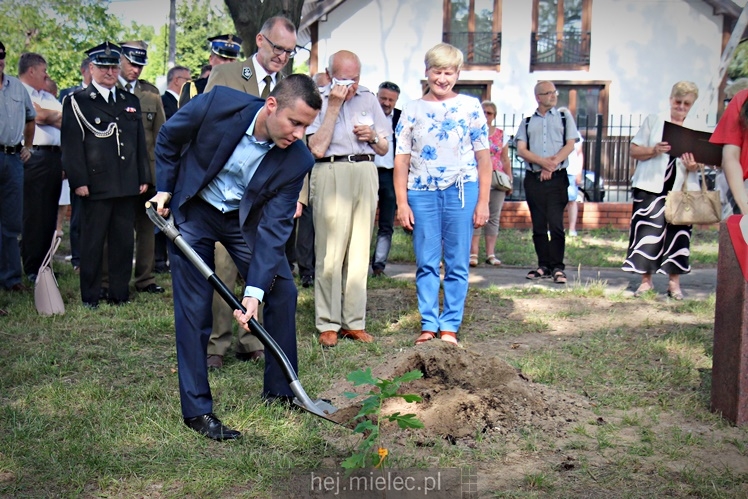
{"x":210,"y":426}
{"x":307,"y":281}
{"x":152,"y":288}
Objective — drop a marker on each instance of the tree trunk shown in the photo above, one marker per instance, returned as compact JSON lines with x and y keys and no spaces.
{"x":248,"y":17}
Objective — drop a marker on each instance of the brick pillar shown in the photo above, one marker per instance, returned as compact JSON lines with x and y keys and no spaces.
{"x":730,"y":358}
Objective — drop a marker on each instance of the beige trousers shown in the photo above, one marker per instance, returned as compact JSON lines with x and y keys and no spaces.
{"x":223,"y":318}
{"x":344,"y":203}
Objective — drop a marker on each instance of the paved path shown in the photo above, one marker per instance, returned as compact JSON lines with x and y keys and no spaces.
{"x":700,"y":283}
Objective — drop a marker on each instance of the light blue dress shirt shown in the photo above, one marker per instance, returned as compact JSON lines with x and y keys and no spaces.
{"x":225,"y":191}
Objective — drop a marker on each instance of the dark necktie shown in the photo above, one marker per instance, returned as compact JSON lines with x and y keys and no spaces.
{"x":111,"y":98}
{"x":129,"y":87}
{"x":266,"y":90}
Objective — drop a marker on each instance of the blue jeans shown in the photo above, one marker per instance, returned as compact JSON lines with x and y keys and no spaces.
{"x":442,"y":225}
{"x":11,"y":218}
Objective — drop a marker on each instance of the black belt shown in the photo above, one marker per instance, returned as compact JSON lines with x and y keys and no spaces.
{"x":350,"y":158}
{"x":47,"y":148}
{"x":11,"y":149}
{"x":555,"y":173}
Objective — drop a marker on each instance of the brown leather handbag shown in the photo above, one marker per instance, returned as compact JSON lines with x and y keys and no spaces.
{"x":693,"y":207}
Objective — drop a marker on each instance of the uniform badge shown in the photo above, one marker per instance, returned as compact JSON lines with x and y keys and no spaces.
{"x":129,"y":109}
{"x":92,"y":95}
{"x":97,"y":120}
{"x":246,"y":73}
{"x":150,"y":116}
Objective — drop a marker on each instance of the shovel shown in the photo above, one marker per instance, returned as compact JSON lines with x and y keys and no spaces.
{"x":317,"y":407}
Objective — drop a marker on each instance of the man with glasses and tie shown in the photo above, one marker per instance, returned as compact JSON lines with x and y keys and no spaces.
{"x":544,"y":141}
{"x":105,"y":157}
{"x":258,"y":75}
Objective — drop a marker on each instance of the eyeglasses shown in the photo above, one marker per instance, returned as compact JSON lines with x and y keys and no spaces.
{"x":280,"y":50}
{"x":550,"y":92}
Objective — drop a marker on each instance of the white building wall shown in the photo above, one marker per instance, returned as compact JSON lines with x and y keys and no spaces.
{"x":641,"y":46}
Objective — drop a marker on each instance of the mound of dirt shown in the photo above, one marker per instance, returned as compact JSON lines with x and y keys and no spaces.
{"x":465,"y":393}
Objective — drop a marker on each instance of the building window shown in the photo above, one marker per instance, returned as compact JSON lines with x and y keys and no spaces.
{"x":473,"y":27}
{"x":561,"y":34}
{"x":585,"y":100}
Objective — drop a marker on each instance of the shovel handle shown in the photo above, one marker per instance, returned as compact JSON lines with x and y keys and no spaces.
{"x":167,"y":227}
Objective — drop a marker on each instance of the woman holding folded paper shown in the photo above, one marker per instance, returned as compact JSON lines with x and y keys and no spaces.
{"x":654,"y":244}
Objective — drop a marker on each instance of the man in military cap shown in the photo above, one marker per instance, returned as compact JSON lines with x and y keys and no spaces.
{"x":256,"y":76}
{"x":105,"y":157}
{"x":223,"y":49}
{"x":133,"y":60}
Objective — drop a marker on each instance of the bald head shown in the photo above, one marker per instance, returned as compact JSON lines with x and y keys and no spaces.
{"x":345,"y":69}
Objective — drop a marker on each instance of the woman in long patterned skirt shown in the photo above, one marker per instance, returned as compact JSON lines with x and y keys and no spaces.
{"x":654,"y":244}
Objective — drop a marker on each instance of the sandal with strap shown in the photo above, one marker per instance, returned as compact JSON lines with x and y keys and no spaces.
{"x":425,"y":336}
{"x":448,"y":336}
{"x":559,"y":277}
{"x":473,"y":260}
{"x":541,"y":273}
{"x":492,"y":260}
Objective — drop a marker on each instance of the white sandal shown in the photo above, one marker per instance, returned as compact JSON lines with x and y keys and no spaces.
{"x":473,"y":260}
{"x":492,"y":260}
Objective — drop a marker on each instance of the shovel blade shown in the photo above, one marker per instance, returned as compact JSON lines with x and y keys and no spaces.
{"x":318,"y":407}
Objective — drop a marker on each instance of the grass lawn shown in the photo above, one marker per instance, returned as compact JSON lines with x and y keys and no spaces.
{"x":89,"y":402}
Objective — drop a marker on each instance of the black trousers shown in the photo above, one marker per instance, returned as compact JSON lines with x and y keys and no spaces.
{"x":387,"y":209}
{"x":305,"y":242}
{"x":547,"y":200}
{"x":42,"y":183}
{"x":111,"y":220}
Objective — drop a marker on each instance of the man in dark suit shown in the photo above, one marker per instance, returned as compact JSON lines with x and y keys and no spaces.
{"x":175,"y":78}
{"x":387,"y":95}
{"x":105,"y":157}
{"x":223,"y":49}
{"x":236,"y":183}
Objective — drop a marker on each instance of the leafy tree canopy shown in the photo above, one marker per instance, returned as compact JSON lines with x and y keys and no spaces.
{"x":738,"y":67}
{"x":59,"y":30}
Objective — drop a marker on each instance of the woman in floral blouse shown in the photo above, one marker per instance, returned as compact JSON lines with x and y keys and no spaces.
{"x":442,"y":180}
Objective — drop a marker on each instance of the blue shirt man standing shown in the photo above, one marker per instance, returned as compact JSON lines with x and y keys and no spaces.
{"x":18,"y":123}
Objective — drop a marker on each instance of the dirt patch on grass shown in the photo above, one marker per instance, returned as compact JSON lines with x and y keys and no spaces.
{"x":467,"y":394}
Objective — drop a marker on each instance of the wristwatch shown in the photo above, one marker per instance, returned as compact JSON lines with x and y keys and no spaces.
{"x":375,"y":140}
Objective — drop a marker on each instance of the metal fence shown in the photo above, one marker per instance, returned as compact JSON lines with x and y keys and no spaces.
{"x":607,"y":163}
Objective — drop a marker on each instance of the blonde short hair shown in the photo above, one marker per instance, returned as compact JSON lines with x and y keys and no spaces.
{"x":443,"y":55}
{"x":683,"y":88}
{"x":488,"y":103}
